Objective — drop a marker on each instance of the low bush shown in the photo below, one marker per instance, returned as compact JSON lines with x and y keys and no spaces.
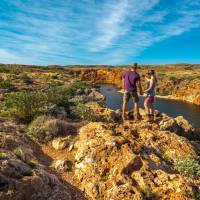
{"x":44,"y":128}
{"x":172,"y":78}
{"x":148,"y":193}
{"x":24,"y":105}
{"x":19,"y":153}
{"x":3,"y":155}
{"x":11,"y":69}
{"x":188,"y":166}
{"x":5,"y":84}
{"x":81,"y":111}
{"x":25,"y":78}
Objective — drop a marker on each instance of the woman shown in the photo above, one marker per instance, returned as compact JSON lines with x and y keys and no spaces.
{"x":150,"y":94}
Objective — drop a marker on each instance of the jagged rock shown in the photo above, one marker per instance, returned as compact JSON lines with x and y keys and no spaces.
{"x":180,"y":126}
{"x":95,"y":95}
{"x":80,"y":91}
{"x":134,"y":165}
{"x":78,"y":98}
{"x":60,"y":143}
{"x":170,"y":125}
{"x":63,"y":165}
{"x":184,"y":124}
{"x":114,"y":166}
{"x":87,"y":91}
{"x":15,"y":168}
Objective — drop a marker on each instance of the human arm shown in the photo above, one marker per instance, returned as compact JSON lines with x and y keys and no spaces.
{"x":140,"y":87}
{"x":123,"y":81}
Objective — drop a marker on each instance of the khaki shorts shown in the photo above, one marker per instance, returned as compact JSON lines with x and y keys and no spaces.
{"x":128,"y":95}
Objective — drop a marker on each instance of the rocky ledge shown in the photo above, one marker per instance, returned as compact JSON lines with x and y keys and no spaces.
{"x":136,"y":160}
{"x":106,"y":159}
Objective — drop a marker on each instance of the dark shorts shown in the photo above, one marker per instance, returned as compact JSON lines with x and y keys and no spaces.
{"x":150,"y":99}
{"x":128,"y":95}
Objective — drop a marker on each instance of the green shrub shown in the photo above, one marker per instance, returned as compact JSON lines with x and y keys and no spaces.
{"x":37,"y":132}
{"x":5,"y":84}
{"x":3,"y":155}
{"x":24,"y":105}
{"x":54,"y":76}
{"x":188,"y":166}
{"x":44,"y":128}
{"x":19,"y":153}
{"x":172,"y":78}
{"x":25,"y":78}
{"x":81,"y":111}
{"x":58,"y":95}
{"x":148,"y":192}
{"x":197,"y":195}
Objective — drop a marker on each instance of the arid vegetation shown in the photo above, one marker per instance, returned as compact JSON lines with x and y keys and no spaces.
{"x":58,"y":140}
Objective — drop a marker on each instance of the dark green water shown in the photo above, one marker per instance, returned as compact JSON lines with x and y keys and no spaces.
{"x":172,"y":108}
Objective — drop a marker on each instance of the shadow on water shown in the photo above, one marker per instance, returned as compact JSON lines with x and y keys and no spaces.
{"x":172,"y":108}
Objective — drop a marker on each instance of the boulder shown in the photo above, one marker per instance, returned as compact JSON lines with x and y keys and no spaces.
{"x":184,"y":124}
{"x":96,"y":96}
{"x":169,"y":124}
{"x":15,"y":168}
{"x":60,"y":143}
{"x":63,"y":165}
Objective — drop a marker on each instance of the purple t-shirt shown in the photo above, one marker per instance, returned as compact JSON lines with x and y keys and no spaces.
{"x":130,"y":80}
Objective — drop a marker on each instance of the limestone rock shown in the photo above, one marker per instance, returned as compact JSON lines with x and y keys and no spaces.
{"x":60,"y":143}
{"x":63,"y":165}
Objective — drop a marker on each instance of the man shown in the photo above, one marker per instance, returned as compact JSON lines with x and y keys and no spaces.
{"x":131,"y":83}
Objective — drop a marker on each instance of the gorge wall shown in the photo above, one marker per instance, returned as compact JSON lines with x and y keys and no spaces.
{"x":177,"y":84}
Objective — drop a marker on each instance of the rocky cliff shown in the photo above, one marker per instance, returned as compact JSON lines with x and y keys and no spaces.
{"x":181,"y":88}
{"x":189,"y":92}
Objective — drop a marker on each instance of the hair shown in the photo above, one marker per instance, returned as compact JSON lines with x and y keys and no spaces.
{"x":152,"y":73}
{"x":134,"y":66}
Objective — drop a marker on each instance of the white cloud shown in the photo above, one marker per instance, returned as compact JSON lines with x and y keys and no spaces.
{"x":89,"y":31}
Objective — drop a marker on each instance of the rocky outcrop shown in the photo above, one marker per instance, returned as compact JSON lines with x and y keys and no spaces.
{"x":129,"y":162}
{"x":190,"y":92}
{"x":179,"y":88}
{"x":180,"y":126}
{"x":24,"y":173}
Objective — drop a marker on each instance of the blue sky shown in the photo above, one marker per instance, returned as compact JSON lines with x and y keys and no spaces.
{"x":115,"y":32}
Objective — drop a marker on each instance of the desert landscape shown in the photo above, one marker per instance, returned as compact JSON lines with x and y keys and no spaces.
{"x":60,"y":140}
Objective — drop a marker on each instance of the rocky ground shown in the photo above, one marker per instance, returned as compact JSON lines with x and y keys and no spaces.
{"x":96,"y":156}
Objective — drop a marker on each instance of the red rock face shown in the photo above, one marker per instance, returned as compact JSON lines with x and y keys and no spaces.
{"x":190,"y":92}
{"x":185,"y":90}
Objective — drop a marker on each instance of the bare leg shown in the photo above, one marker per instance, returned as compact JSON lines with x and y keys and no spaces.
{"x":136,"y":107}
{"x":146,"y":107}
{"x":152,"y":108}
{"x":124,"y":109}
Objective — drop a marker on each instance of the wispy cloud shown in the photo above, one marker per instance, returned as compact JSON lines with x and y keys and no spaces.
{"x":88,"y":31}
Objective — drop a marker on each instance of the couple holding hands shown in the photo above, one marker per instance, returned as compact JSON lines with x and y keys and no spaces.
{"x":131,"y":84}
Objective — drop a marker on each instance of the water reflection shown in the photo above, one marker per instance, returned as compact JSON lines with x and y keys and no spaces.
{"x":170,"y":107}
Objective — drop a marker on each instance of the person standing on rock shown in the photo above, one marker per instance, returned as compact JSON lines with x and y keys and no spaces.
{"x":130,"y":84}
{"x":150,"y":94}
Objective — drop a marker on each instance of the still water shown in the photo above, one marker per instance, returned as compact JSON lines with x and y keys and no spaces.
{"x":172,"y":108}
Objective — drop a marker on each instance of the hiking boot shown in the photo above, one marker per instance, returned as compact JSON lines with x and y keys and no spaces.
{"x":148,"y":117}
{"x":138,"y":116}
{"x":124,"y":117}
{"x":152,"y":118}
